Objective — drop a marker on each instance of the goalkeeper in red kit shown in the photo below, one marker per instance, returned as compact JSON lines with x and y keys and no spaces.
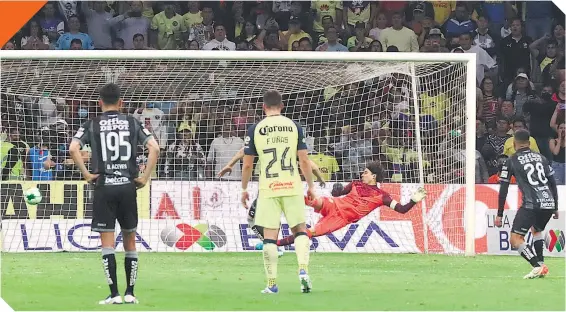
{"x":362,"y":197}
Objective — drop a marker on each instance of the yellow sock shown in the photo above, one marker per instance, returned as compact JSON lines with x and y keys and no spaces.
{"x":270,"y":257}
{"x":302,"y":246}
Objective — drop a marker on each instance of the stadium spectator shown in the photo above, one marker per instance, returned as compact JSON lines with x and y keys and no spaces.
{"x":559,"y":98}
{"x":508,"y":110}
{"x":282,"y":12}
{"x":514,"y":53}
{"x":192,"y":45}
{"x":98,"y":23}
{"x":34,"y":39}
{"x":433,"y":42}
{"x":495,"y":143}
{"x":327,"y":22}
{"x":14,"y":154}
{"x":186,"y":157}
{"x":483,"y":60}
{"x":404,"y":39}
{"x":558,"y":150}
{"x":358,"y":11}
{"x":37,"y":155}
{"x":168,"y":31}
{"x":540,"y":110}
{"x":491,"y":102}
{"x":295,"y":33}
{"x":332,"y":10}
{"x":193,"y":17}
{"x":537,"y":14}
{"x":355,"y":149}
{"x":496,"y":11}
{"x":10,"y":45}
{"x":416,"y":17}
{"x":558,"y":34}
{"x":360,"y":41}
{"x":68,"y":9}
{"x":521,"y":91}
{"x":509,"y":148}
{"x":204,"y":31}
{"x":222,"y":149}
{"x":481,"y":134}
{"x":249,"y":33}
{"x":220,"y":41}
{"x":461,"y":23}
{"x":390,"y":7}
{"x":485,"y":37}
{"x":547,"y":59}
{"x":443,"y":10}
{"x":64,"y":41}
{"x":379,"y":25}
{"x":325,"y":161}
{"x":375,"y":46}
{"x":427,"y":24}
{"x":76,"y":44}
{"x":305,"y":44}
{"x":131,"y":23}
{"x":139,"y":43}
{"x":50,"y":23}
{"x":152,"y":118}
{"x":118,"y":44}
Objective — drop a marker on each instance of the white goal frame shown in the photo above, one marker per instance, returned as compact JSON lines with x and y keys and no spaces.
{"x":468,"y":58}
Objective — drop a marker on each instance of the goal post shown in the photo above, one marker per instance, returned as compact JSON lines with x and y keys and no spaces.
{"x":318,"y":89}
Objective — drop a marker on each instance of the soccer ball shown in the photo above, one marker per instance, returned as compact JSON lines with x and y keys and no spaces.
{"x":33,"y":196}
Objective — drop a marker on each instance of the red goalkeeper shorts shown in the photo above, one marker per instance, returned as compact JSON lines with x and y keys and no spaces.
{"x":331,"y":220}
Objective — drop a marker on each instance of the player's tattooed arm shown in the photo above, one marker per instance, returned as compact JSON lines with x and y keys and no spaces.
{"x":504,"y":178}
{"x":228,"y":168}
{"x":503,"y":190}
{"x":317,"y":174}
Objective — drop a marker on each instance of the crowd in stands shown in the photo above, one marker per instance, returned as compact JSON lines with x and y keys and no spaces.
{"x":519,"y":47}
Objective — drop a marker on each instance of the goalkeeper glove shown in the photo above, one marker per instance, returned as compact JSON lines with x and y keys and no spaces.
{"x":337,"y":189}
{"x":419,"y":195}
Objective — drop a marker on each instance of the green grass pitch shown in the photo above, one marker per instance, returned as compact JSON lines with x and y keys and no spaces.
{"x":232,"y":281}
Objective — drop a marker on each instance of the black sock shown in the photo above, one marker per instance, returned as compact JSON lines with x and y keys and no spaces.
{"x":131,"y":266}
{"x":527,"y":252}
{"x":539,"y":249}
{"x":109,"y":264}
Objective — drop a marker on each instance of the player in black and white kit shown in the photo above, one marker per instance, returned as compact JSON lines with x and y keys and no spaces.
{"x":114,"y":139}
{"x":535,"y":179}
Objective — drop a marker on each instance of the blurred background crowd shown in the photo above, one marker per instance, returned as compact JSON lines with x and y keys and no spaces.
{"x":519,"y":47}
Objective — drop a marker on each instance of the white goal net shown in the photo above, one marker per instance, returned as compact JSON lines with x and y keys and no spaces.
{"x":408,"y":114}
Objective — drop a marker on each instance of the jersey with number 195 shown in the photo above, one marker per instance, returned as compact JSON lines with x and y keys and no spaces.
{"x":276,"y":140}
{"x":114,"y":140}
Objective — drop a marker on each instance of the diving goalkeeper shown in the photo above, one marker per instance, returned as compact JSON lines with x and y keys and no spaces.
{"x":362,"y":197}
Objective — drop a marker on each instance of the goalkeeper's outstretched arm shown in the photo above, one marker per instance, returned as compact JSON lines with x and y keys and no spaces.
{"x":419,"y":195}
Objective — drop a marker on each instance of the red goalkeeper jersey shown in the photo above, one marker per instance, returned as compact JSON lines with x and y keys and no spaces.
{"x":361,"y":199}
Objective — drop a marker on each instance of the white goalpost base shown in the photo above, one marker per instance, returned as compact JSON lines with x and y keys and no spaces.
{"x":343,"y":100}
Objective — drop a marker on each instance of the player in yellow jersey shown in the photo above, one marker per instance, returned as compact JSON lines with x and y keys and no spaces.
{"x":278,"y":141}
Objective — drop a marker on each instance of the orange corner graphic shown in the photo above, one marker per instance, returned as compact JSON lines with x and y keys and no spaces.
{"x":14,"y":15}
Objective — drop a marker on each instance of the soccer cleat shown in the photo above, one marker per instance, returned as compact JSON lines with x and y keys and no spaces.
{"x":130,"y":299}
{"x":306,"y":284}
{"x":540,"y":271}
{"x":270,"y":290}
{"x":111,"y":300}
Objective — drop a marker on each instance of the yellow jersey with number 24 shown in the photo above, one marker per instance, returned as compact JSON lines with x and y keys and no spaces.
{"x":276,"y":140}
